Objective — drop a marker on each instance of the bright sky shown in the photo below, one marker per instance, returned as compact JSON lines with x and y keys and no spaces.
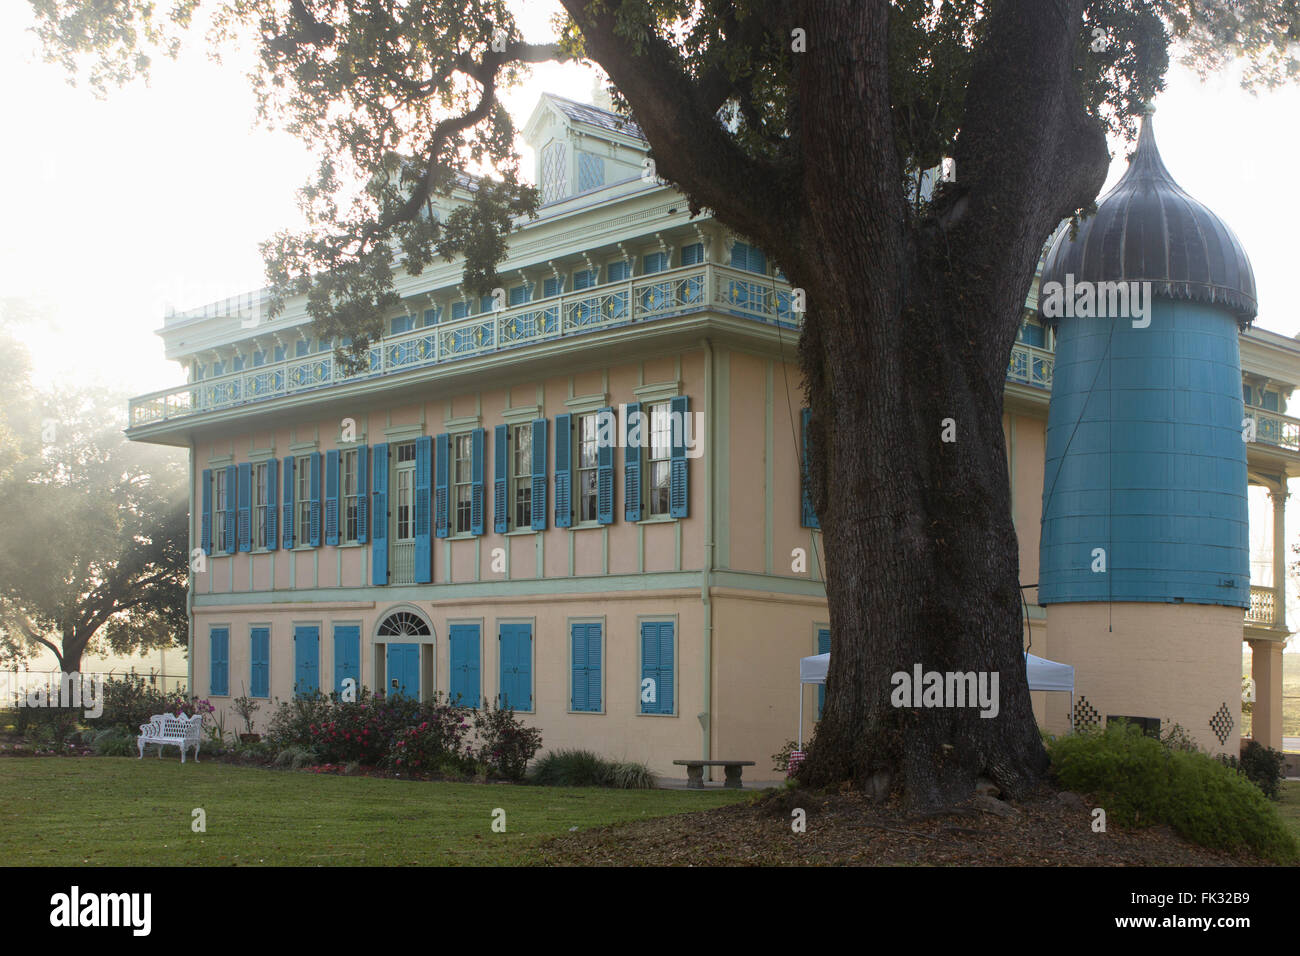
{"x":159,"y":195}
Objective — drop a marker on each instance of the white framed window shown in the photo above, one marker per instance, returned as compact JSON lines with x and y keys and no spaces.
{"x":521,"y":474}
{"x":348,"y":489}
{"x":259,"y":506}
{"x":220,"y":500}
{"x":404,"y":491}
{"x":463,"y":480}
{"x":302,"y":499}
{"x":586,"y":461}
{"x":658,"y":472}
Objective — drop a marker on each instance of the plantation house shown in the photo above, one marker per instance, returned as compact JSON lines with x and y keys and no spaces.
{"x":456,"y":518}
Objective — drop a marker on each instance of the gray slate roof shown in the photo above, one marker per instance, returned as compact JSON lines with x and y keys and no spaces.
{"x":595,"y":116}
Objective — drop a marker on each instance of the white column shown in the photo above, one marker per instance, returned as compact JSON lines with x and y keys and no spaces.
{"x":1279,"y":556}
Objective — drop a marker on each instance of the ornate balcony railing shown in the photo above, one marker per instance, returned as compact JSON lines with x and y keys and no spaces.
{"x":1263,"y":603}
{"x":403,"y":558}
{"x":1272,"y":428}
{"x":1031,"y":365}
{"x":643,"y":299}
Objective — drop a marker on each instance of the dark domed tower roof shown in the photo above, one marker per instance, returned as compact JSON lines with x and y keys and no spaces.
{"x":1148,"y":229}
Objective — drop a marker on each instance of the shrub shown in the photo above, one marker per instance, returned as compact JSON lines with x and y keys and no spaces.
{"x":291,"y":720}
{"x":781,"y":759}
{"x":1263,"y":766}
{"x":571,"y":768}
{"x":115,"y":742}
{"x":1141,"y":781}
{"x":504,"y":744}
{"x":582,"y":768}
{"x":432,"y":747}
{"x":130,"y":701}
{"x":294,"y":758}
{"x":52,"y":729}
{"x":626,"y":775}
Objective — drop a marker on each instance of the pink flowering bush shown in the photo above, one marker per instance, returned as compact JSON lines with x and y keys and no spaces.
{"x":434,"y":746}
{"x":504,"y":744}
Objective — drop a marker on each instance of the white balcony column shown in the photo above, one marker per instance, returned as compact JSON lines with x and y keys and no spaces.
{"x":1279,"y":498}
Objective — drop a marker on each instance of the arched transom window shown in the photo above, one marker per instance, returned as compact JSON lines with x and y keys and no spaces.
{"x":403,"y":624}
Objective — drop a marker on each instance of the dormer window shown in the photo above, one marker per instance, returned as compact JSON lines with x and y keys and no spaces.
{"x":555,"y":172}
{"x":591,"y":172}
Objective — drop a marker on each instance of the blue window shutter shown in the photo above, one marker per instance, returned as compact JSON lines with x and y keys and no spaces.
{"x":652,"y":263}
{"x":634,"y":431}
{"x":306,"y":659}
{"x":220,"y":663}
{"x":501,"y":478}
{"x":379,"y":537}
{"x":649,"y":666}
{"x":749,"y":258}
{"x":205,"y":522}
{"x":516,"y":666}
{"x":459,"y":310}
{"x":616,"y":271}
{"x":363,"y":504}
{"x":823,"y":647}
{"x":586,"y":667}
{"x":539,"y":474}
{"x":520,"y":294}
{"x":477,"y":440}
{"x":552,"y":286}
{"x":808,"y":516}
{"x":245,"y":506}
{"x":693,"y":254}
{"x":679,"y":488}
{"x":505,"y":664}
{"x":332,"y":497}
{"x":272,"y":504}
{"x":666,"y":650}
{"x":593,"y":666}
{"x":563,"y":471}
{"x":584,"y":279}
{"x":441,"y":477}
{"x":524,"y":668}
{"x":232,"y":511}
{"x":606,"y":432}
{"x":578,"y":674}
{"x":259,"y":672}
{"x":288,"y":503}
{"x":347,"y":655}
{"x":314,"y":491}
{"x":485,"y":304}
{"x":431,"y":316}
{"x":464,"y":682}
{"x":423,"y":538}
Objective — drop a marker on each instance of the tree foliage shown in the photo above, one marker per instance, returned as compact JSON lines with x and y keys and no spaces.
{"x":95,"y":527}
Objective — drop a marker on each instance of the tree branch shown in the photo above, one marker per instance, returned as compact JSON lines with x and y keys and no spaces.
{"x":691,"y":147}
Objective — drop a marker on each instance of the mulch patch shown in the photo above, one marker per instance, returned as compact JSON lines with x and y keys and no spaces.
{"x":846,"y":829}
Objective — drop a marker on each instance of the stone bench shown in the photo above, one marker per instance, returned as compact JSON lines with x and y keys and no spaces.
{"x":164,"y":729}
{"x":695,"y":772}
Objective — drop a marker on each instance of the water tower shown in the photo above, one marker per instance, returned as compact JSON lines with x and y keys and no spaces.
{"x":1144,"y":563}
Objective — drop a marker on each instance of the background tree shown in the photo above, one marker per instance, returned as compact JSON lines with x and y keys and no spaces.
{"x":801,"y":125}
{"x":94,"y":550}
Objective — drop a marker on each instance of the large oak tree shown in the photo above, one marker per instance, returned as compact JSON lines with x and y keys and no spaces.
{"x":801,"y":124}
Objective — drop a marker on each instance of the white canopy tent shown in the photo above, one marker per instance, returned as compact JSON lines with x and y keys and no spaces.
{"x":1043,"y":675}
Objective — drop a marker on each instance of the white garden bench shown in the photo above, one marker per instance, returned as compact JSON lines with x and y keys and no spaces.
{"x":180,"y":732}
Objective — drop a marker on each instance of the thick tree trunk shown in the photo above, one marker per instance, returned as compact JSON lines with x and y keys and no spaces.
{"x":921,"y":551}
{"x":909,"y":325}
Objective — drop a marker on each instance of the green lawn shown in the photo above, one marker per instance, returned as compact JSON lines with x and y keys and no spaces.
{"x":124,"y":812}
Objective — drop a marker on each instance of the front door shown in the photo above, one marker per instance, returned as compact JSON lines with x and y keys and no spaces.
{"x":404,"y":670}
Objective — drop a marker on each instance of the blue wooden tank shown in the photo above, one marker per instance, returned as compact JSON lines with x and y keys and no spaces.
{"x":1145,"y":452}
